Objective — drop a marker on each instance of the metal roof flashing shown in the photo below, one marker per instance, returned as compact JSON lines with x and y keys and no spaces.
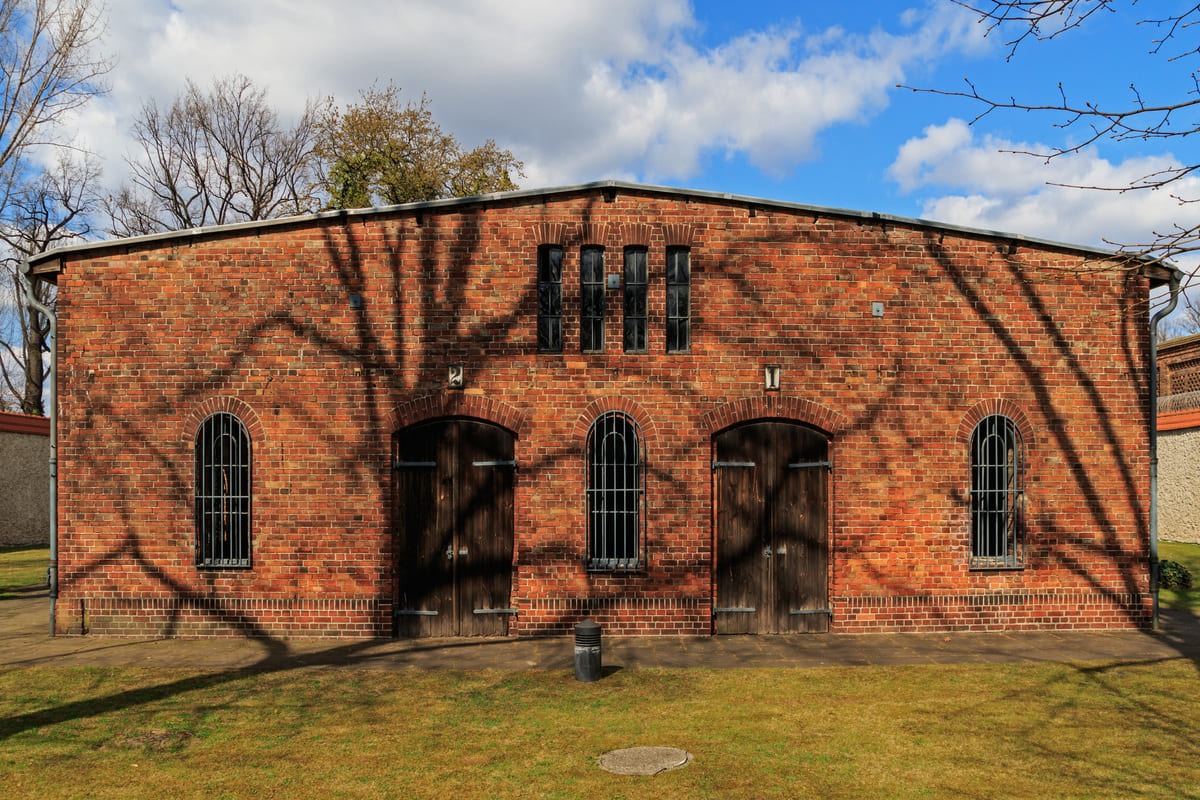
{"x":1156,"y":270}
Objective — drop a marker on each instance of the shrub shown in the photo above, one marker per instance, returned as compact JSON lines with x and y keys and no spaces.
{"x":1173,"y":575}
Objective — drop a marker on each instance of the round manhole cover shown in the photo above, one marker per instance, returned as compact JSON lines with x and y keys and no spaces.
{"x":644,"y":760}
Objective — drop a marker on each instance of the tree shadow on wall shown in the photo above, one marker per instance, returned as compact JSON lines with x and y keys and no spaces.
{"x":397,"y":343}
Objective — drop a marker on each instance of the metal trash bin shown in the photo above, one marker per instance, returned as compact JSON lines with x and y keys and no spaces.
{"x":587,"y":651}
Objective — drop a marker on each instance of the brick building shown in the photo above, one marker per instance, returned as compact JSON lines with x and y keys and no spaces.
{"x":671,"y":411}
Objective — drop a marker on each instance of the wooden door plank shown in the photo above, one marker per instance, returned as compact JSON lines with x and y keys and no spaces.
{"x":485,"y":522}
{"x":799,"y":530}
{"x":740,"y":544}
{"x":423,"y":577}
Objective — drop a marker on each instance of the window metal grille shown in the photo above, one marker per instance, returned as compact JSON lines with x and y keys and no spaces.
{"x":222,"y":492}
{"x":615,"y":496}
{"x":591,"y":289}
{"x":549,"y":319}
{"x":679,"y":299}
{"x":997,"y":494}
{"x":635,"y":299}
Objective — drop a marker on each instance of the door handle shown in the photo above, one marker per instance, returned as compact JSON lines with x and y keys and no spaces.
{"x":462,"y":551}
{"x":450,"y":553}
{"x":767,"y":553}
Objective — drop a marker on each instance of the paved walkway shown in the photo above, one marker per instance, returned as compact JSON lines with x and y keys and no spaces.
{"x":25,"y":622}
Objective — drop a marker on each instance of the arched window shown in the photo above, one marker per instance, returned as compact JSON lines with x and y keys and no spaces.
{"x":615,"y":496}
{"x":222,"y":492}
{"x":997,"y":494}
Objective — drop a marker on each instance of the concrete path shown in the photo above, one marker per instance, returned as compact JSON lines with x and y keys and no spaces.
{"x":25,"y":623}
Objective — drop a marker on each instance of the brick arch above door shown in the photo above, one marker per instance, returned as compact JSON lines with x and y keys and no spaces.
{"x":457,"y":404}
{"x":773,"y":406}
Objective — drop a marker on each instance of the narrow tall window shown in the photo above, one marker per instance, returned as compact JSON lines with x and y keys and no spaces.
{"x":549,"y":319}
{"x":615,"y":498}
{"x":997,"y":494}
{"x":679,"y":299}
{"x":635,"y":299}
{"x":591,"y":290}
{"x":222,"y":492}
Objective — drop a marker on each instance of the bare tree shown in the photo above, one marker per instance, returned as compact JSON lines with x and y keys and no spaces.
{"x":55,"y":207}
{"x":214,"y":158}
{"x":385,"y":151}
{"x":51,"y":66}
{"x":1142,"y":118}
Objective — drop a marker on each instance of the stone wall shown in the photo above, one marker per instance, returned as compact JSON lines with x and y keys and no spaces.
{"x":24,"y":480}
{"x":1179,"y":485}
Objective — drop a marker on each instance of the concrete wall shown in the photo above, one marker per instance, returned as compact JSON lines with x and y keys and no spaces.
{"x":24,"y":488}
{"x":1178,"y":484}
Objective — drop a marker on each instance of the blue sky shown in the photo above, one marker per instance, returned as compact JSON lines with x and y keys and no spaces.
{"x":792,"y":101}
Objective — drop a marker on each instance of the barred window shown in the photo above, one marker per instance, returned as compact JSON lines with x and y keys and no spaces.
{"x":549,"y":319}
{"x":615,"y":496}
{"x":591,"y":290}
{"x":679,"y":300}
{"x":997,"y":494}
{"x":635,"y":299}
{"x":222,"y":492}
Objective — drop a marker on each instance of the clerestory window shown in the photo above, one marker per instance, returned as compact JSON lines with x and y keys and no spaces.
{"x":549,"y":309}
{"x":679,"y":299}
{"x":591,"y":291}
{"x":636,"y":284}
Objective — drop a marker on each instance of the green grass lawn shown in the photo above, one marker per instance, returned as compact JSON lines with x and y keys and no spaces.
{"x":977,"y":731}
{"x":1103,"y":730}
{"x":22,"y":566}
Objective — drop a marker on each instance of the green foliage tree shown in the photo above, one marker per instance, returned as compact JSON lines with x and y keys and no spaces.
{"x":384,"y":151}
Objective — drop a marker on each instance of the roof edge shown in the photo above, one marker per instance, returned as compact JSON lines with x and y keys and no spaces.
{"x":11,"y":422}
{"x":519,"y":194}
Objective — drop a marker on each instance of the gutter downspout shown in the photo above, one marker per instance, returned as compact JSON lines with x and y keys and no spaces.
{"x":1174,"y":284}
{"x":33,"y":305}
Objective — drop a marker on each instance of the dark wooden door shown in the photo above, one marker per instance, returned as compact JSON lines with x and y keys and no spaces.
{"x":772,"y":541}
{"x":454,"y":528}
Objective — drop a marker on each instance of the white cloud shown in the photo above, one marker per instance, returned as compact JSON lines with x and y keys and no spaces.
{"x":579,"y":90}
{"x":980,"y":181}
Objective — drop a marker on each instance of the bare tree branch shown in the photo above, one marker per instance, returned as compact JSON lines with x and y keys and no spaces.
{"x":53,"y":209}
{"x":50,"y":65}
{"x":214,"y":158}
{"x":1138,"y":120}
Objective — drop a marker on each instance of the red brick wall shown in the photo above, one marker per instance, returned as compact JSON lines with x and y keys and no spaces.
{"x":153,"y":337}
